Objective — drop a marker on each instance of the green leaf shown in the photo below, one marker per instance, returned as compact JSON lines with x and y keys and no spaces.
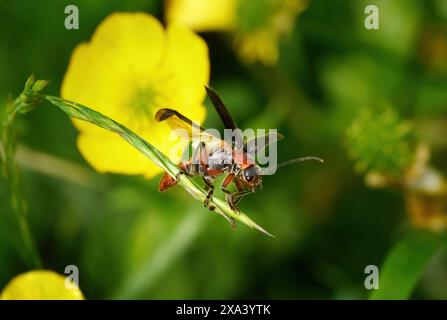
{"x":81,"y":112}
{"x":405,"y":264}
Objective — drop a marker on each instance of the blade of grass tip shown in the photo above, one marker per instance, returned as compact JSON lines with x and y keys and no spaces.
{"x":84,"y":113}
{"x":405,"y":264}
{"x":197,"y":192}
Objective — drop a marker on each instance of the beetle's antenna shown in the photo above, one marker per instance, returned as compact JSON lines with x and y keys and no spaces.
{"x":297,"y":160}
{"x":268,"y":171}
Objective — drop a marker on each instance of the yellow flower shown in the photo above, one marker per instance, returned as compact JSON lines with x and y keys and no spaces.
{"x":130,"y":69}
{"x":257,"y":25}
{"x":203,"y":15}
{"x":39,"y":285}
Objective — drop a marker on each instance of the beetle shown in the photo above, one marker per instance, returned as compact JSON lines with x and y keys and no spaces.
{"x":213,"y":156}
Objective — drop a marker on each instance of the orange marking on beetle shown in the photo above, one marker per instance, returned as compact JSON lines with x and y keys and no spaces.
{"x":167,"y":182}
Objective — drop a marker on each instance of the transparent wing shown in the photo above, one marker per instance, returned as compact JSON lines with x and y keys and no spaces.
{"x":186,"y":128}
{"x":257,"y":143}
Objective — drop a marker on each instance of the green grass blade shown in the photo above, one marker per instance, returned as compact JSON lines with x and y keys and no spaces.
{"x":405,"y":264}
{"x":13,"y":200}
{"x":84,"y":113}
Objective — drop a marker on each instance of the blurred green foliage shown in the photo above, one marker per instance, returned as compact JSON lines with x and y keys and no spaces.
{"x":129,"y":241}
{"x":252,"y":14}
{"x":379,"y":141}
{"x":406,"y":262}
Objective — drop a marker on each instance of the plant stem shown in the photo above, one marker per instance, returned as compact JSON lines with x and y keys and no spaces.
{"x":12,"y":175}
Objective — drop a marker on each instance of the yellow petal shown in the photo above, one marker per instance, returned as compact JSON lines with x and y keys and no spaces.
{"x":203,"y":15}
{"x":108,"y":152}
{"x":185,"y":68}
{"x":184,"y":73}
{"x":124,"y":48}
{"x":178,"y":83}
{"x":39,"y":285}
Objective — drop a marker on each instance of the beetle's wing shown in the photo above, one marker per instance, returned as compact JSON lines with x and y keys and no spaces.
{"x":226,"y":118}
{"x":176,"y":120}
{"x":221,"y":109}
{"x":257,"y":143}
{"x":186,"y":128}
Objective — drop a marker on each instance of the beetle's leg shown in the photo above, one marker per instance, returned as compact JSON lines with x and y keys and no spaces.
{"x":209,"y":186}
{"x":242,"y":191}
{"x":237,"y":196}
{"x":193,"y":167}
{"x":184,"y":167}
{"x":199,"y":163}
{"x":199,"y":159}
{"x":228,"y":179}
{"x":229,"y":195}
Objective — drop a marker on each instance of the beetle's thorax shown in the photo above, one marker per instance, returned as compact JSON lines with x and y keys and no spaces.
{"x":228,"y":160}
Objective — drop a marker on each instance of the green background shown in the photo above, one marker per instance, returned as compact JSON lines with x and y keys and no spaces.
{"x":129,"y":241}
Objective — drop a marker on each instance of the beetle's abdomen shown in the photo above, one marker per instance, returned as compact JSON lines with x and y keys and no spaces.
{"x":167,"y":182}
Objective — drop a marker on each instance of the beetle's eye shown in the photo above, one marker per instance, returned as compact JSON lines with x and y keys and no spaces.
{"x":249,"y":173}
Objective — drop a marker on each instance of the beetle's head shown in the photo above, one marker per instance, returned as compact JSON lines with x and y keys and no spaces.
{"x":250,"y":175}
